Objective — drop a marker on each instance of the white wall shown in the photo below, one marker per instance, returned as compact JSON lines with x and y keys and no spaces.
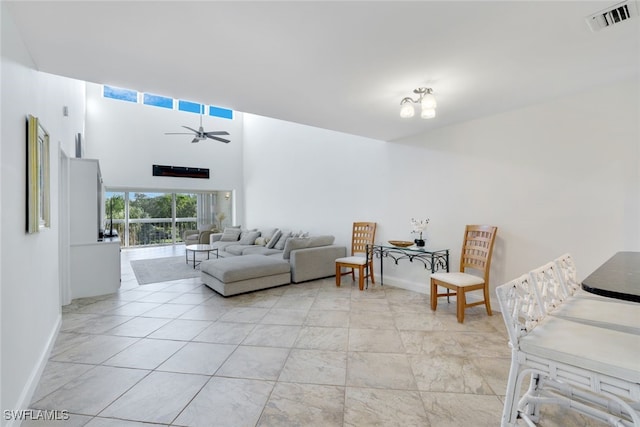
{"x":556,"y":177}
{"x":129,"y":138}
{"x":29,"y":302}
{"x":311,"y":179}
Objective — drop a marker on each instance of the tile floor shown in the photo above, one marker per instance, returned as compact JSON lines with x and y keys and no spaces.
{"x":311,"y":354}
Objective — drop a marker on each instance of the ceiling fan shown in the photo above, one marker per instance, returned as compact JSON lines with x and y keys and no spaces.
{"x":201,"y":135}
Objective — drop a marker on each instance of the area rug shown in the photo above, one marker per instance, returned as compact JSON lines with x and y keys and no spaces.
{"x":163,"y":270}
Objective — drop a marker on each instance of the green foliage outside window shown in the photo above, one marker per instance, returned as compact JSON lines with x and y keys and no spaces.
{"x":151,"y":206}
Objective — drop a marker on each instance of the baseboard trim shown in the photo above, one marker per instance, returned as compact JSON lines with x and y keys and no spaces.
{"x":34,"y":379}
{"x":397,"y":282}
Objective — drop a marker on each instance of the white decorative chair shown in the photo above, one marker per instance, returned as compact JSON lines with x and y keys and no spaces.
{"x":567,"y":273}
{"x":594,"y":309}
{"x":590,"y":369}
{"x":548,"y":286}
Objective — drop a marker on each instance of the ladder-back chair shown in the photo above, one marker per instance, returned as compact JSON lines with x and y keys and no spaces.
{"x":363,"y":236}
{"x":477,"y":249}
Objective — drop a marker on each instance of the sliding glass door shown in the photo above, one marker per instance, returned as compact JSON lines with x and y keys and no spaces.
{"x":142,"y":218}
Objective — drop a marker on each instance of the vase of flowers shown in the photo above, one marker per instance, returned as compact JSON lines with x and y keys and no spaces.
{"x":418,"y":227}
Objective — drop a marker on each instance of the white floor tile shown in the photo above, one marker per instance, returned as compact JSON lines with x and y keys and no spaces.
{"x":177,"y":353}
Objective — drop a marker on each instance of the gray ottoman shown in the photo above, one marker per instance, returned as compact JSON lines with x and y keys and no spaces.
{"x":246,"y":273}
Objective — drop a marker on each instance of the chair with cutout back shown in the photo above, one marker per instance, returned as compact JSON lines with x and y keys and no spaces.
{"x":476,"y":254}
{"x":574,"y":353}
{"x":363,"y":235}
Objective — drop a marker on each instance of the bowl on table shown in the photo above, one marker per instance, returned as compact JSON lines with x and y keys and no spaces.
{"x":401,"y":243}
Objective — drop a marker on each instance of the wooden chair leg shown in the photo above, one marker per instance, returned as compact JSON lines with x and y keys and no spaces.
{"x":338,"y":274}
{"x":370,"y":273}
{"x":434,"y":296}
{"x":462,"y":302}
{"x":487,"y":300}
{"x":353,"y":276}
{"x":361,"y":277}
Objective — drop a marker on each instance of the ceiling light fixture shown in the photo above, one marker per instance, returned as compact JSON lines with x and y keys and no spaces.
{"x":425,"y":99}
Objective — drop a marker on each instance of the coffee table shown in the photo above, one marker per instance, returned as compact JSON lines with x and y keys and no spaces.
{"x":199,"y":248}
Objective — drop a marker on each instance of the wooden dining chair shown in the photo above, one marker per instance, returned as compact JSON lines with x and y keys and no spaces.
{"x":363,"y":235}
{"x":476,"y":254}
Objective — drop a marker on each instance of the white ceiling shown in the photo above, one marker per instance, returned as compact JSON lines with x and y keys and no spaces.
{"x":338,"y":65}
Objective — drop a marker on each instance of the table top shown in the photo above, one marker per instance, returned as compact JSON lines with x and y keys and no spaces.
{"x":412,"y":248}
{"x":199,"y":248}
{"x":618,"y":278}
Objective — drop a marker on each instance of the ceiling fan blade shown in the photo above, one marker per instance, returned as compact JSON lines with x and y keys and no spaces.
{"x":226,"y":141}
{"x":191,"y":129}
{"x":221,"y":132}
{"x":196,"y":139}
{"x":177,"y":133}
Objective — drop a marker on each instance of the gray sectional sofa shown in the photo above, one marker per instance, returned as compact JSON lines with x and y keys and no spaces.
{"x":249,"y":260}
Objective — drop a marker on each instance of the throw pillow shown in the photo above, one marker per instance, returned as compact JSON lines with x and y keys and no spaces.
{"x":294,"y":243}
{"x":230,"y":234}
{"x":274,"y":239}
{"x":301,"y":234}
{"x":267,"y":233}
{"x":261,"y":241}
{"x":249,"y":237}
{"x":282,"y":240}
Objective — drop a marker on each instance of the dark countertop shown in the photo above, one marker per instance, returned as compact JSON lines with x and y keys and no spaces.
{"x":619,"y":277}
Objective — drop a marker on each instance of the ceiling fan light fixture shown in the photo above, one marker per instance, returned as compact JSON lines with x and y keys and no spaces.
{"x":201,"y":135}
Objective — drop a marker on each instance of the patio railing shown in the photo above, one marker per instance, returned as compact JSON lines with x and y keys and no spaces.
{"x":151,"y":231}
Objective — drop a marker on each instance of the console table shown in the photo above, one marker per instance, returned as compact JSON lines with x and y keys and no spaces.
{"x":432,"y":260}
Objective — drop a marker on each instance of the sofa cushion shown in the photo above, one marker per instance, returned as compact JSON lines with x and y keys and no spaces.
{"x":274,"y":239}
{"x":294,"y":243}
{"x":282,"y":240}
{"x":230,"y":234}
{"x":300,"y":234}
{"x":259,"y":250}
{"x":235,"y":248}
{"x":234,"y":269}
{"x":249,"y":237}
{"x":221,"y":246}
{"x":316,"y":241}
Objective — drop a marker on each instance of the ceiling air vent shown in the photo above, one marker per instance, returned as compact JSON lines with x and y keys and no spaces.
{"x":612,"y":15}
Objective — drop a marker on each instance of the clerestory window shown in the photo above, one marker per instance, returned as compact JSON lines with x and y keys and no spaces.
{"x":161,"y":101}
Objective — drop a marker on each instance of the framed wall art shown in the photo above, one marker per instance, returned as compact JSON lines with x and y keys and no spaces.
{"x":38,"y":198}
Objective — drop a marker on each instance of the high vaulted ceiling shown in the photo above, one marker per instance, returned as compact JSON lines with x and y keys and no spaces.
{"x":338,"y":65}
